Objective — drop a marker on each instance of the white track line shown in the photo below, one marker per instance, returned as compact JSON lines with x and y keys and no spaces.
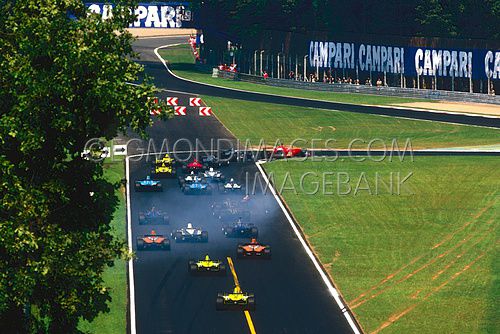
{"x":308,"y":99}
{"x":310,"y":253}
{"x":131,"y":261}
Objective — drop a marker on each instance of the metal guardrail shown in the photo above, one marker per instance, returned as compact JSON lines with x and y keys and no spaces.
{"x":362,"y":89}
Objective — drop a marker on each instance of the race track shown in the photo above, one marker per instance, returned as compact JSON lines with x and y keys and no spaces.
{"x":164,"y":79}
{"x":291,"y":296}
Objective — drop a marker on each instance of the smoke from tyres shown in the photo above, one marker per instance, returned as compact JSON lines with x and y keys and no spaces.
{"x":157,"y":15}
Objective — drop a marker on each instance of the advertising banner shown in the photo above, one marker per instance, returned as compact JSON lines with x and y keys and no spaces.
{"x":410,"y":61}
{"x":151,"y":15}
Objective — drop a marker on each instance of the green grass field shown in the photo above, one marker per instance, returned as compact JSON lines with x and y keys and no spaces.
{"x":425,"y":260}
{"x":181,"y":61}
{"x":115,"y":277}
{"x":255,"y":120}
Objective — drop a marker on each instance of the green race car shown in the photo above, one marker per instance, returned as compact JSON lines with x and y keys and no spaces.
{"x":236,"y":300}
{"x":206,"y":266}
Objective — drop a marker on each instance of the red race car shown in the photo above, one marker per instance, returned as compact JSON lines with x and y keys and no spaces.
{"x":283,"y":151}
{"x":153,"y":241}
{"x":254,"y":249}
{"x":194,"y":166}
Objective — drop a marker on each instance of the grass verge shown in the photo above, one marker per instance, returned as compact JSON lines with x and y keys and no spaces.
{"x":115,"y":321}
{"x":425,"y":259}
{"x":255,"y":121}
{"x":181,"y":61}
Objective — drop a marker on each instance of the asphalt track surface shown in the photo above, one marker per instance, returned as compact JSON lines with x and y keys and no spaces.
{"x":291,"y":297}
{"x":164,"y":79}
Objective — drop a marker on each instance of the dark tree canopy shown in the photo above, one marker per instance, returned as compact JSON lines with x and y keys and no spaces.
{"x":248,"y":20}
{"x":63,"y":80}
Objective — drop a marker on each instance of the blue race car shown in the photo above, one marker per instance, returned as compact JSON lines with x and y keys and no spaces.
{"x":153,"y":216}
{"x":197,"y":187}
{"x":148,"y":185}
{"x":241,"y":230}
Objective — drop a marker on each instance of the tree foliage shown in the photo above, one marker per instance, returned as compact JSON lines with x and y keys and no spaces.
{"x":430,"y":18}
{"x":64,"y":79}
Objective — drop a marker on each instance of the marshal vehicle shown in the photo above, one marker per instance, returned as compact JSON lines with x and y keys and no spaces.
{"x":190,"y":234}
{"x":240,"y":229}
{"x":153,"y":241}
{"x":206,"y":266}
{"x":148,"y":184}
{"x":236,"y":300}
{"x":253,"y":249}
{"x":153,"y":216}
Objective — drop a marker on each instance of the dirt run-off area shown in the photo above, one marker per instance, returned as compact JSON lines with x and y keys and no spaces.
{"x":459,"y":107}
{"x":158,"y":32}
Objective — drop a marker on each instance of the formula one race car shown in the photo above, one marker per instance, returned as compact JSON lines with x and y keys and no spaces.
{"x":190,"y":234}
{"x":231,"y":210}
{"x":190,"y":178}
{"x":164,"y":170}
{"x":153,"y":216}
{"x":206,"y":266}
{"x":166,"y":160}
{"x":232,"y":186}
{"x":254,"y":249}
{"x":237,"y":300}
{"x":148,"y":185}
{"x":197,"y":187}
{"x":193,"y":166}
{"x":283,"y":151}
{"x":241,"y":230}
{"x":153,"y":241}
{"x":213,"y":175}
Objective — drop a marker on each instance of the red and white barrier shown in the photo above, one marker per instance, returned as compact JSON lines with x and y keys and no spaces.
{"x":195,"y":102}
{"x":172,"y":101}
{"x":205,"y":111}
{"x":180,"y":111}
{"x":155,"y":111}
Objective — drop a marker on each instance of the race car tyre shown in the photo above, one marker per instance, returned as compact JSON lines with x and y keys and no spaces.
{"x":140,"y":244}
{"x":219,"y":303}
{"x":166,"y":219}
{"x":193,"y":268}
{"x":166,"y":245}
{"x":267,"y":253}
{"x":137,"y":188}
{"x":142,"y":219}
{"x":204,"y":236}
{"x":228,"y":231}
{"x":178,"y":236}
{"x":255,"y":232}
{"x":251,"y":303}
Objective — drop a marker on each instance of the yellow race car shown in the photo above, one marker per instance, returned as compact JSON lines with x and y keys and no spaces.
{"x":237,"y":300}
{"x":164,"y":167}
{"x":166,"y":159}
{"x":206,"y":266}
